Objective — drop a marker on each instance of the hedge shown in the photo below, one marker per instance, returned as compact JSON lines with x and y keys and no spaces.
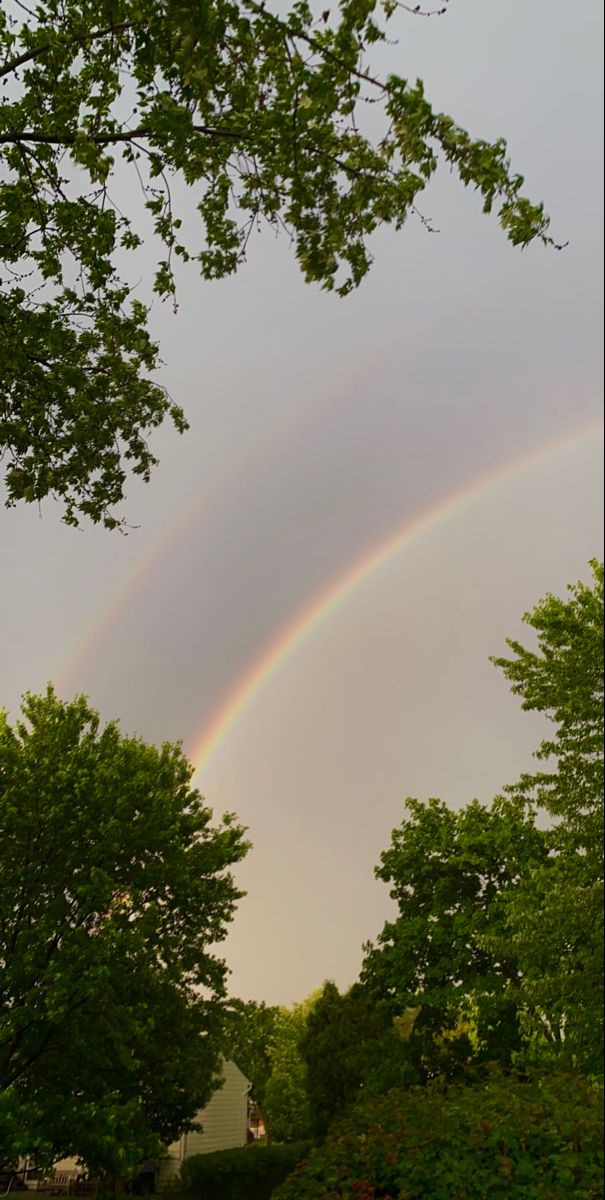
{"x":538,"y":1139}
{"x":248,"y":1173}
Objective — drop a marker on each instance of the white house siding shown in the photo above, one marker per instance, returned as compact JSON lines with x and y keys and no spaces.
{"x":224,"y":1120}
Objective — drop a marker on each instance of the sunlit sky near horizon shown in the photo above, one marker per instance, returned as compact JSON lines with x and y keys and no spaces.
{"x":319,"y":428}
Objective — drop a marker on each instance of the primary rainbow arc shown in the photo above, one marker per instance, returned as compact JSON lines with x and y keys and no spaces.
{"x":241,"y":696}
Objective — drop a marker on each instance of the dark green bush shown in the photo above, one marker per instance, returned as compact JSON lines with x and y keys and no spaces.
{"x":508,"y":1137}
{"x":248,"y":1173}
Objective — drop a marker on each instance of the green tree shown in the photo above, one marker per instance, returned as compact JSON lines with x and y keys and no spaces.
{"x":248,"y":1039}
{"x":114,"y":886}
{"x":332,"y":1050}
{"x":450,"y":874}
{"x":497,"y":951}
{"x":346,"y":1040}
{"x":287,"y":1112}
{"x":556,"y":917}
{"x":261,"y":114}
{"x":563,"y":678}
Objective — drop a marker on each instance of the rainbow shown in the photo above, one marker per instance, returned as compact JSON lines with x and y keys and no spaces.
{"x":205,"y":501}
{"x":307,"y":620}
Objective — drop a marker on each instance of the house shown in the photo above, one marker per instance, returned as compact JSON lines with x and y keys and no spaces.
{"x":224,"y":1121}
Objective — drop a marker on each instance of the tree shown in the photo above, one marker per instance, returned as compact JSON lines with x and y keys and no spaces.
{"x":332,"y":1049}
{"x":249,"y":1036}
{"x":555,"y":920}
{"x":114,"y":886}
{"x":346,"y":1040}
{"x":450,"y":874}
{"x":287,"y":1112}
{"x":497,"y":951}
{"x":563,"y":678}
{"x":262,"y":115}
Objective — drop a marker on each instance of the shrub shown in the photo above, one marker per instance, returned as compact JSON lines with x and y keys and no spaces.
{"x":247,"y":1173}
{"x":503,"y":1138}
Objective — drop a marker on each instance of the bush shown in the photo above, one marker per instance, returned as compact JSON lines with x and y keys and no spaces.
{"x":247,"y":1173}
{"x":503,"y":1138}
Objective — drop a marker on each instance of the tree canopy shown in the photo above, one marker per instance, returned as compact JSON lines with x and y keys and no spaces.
{"x":249,"y":1035}
{"x":286,"y":1106}
{"x":450,"y":873}
{"x":562,"y":677}
{"x":114,"y":887}
{"x":261,"y":114}
{"x":555,"y":917}
{"x":344,"y":1045}
{"x":498,"y":943}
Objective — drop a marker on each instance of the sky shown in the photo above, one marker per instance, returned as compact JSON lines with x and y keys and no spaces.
{"x":372,"y":493}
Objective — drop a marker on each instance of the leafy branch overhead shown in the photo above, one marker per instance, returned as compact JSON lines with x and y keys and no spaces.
{"x":262,"y":116}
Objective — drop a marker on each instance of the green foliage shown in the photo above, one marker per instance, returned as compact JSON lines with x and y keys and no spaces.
{"x":450,"y":873}
{"x":114,"y":885}
{"x":305,"y":1063}
{"x":555,"y":929}
{"x":555,"y":917}
{"x":498,"y":943}
{"x":344,"y":1039}
{"x":248,"y":1038}
{"x":262,"y":115}
{"x":509,"y":1137}
{"x":563,"y":678}
{"x":286,"y":1108}
{"x":250,"y":1173}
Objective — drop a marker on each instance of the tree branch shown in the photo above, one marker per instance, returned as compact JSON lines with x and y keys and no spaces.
{"x":30,"y":55}
{"x":258,"y":8}
{"x":106,"y":139}
{"x":13,"y":1075}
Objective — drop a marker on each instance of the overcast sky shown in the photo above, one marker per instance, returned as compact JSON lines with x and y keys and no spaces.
{"x":319,"y":427}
